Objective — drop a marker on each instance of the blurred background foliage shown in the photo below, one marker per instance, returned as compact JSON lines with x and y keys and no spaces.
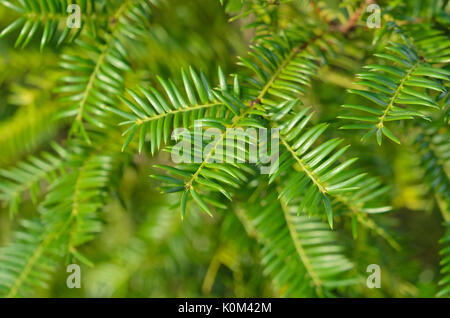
{"x":145,"y":249}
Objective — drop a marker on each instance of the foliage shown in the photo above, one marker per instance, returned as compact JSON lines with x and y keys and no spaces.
{"x":82,"y":139}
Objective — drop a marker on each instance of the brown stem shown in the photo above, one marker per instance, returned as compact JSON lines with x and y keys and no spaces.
{"x":355,"y":17}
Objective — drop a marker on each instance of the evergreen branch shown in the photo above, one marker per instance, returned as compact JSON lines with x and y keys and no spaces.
{"x":397,"y":91}
{"x":355,"y":17}
{"x":432,"y":145}
{"x":68,"y":221}
{"x":109,"y":40}
{"x":100,"y":71}
{"x":50,"y":16}
{"x":407,"y":82}
{"x":294,"y":249}
{"x":27,"y":176}
{"x":357,"y":211}
{"x":298,"y":246}
{"x":152,"y":113}
{"x":445,"y":264}
{"x":236,"y":122}
{"x":303,"y":167}
{"x":32,"y":261}
{"x":246,"y":110}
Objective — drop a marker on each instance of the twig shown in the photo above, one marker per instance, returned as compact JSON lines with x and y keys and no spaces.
{"x":355,"y":17}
